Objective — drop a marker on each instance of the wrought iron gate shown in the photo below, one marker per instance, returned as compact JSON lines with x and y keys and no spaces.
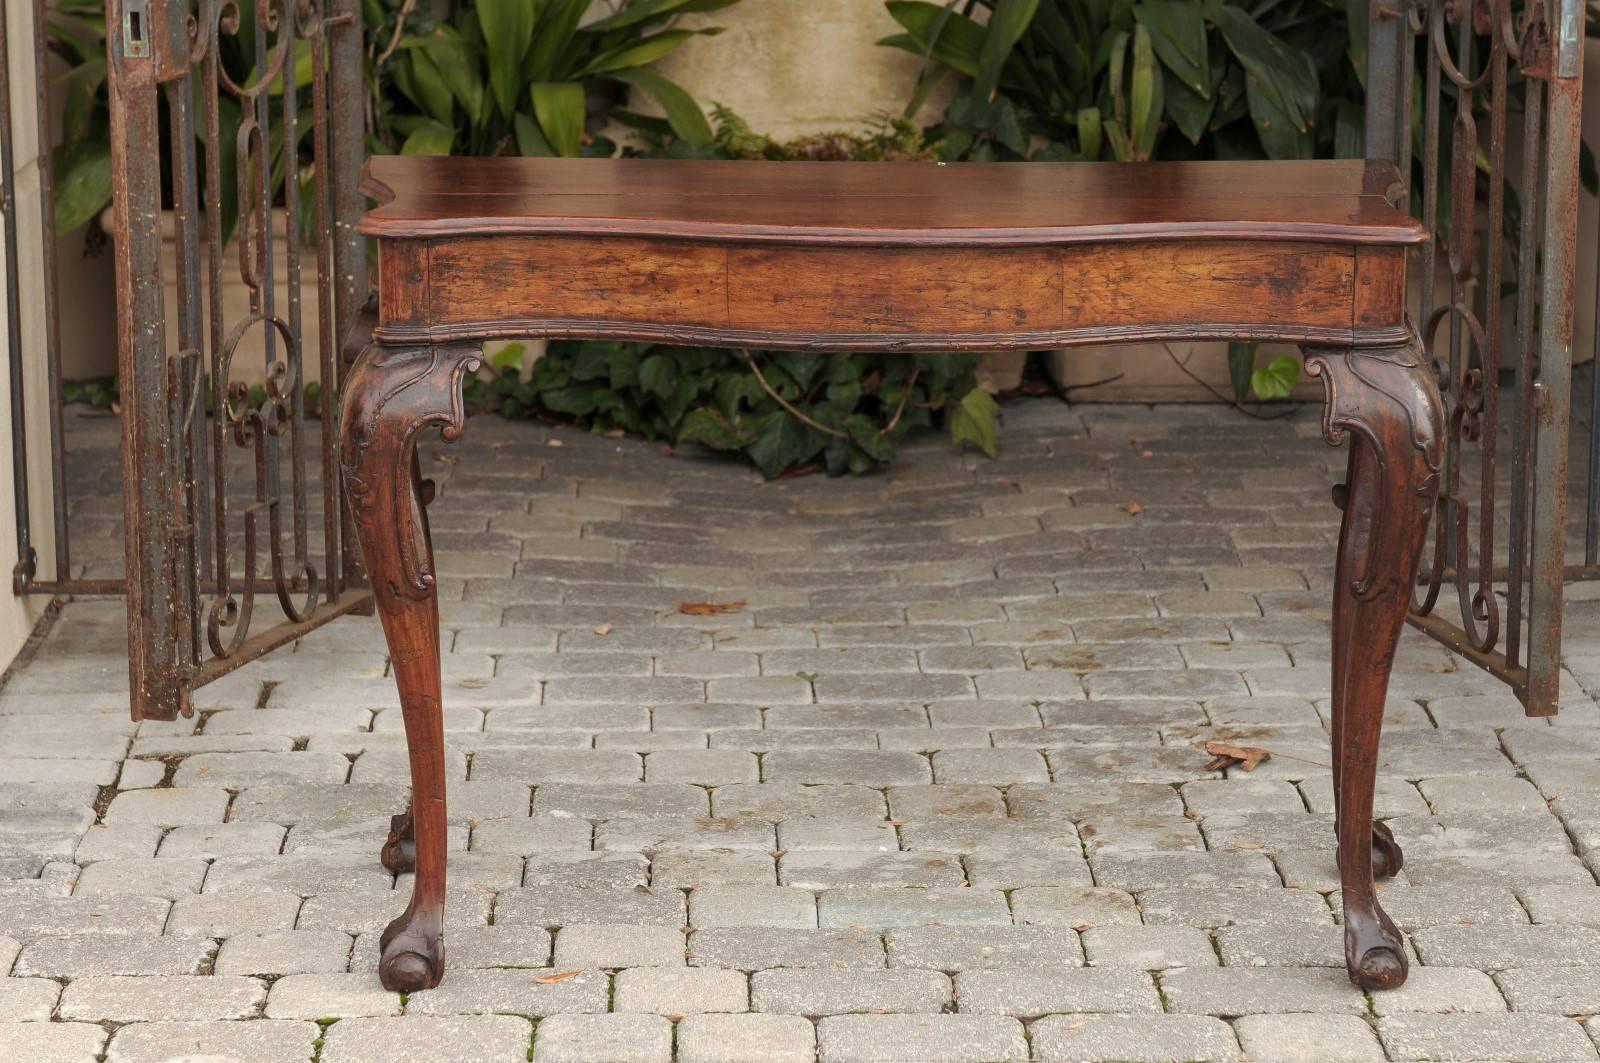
{"x":243,"y":115}
{"x":1479,"y":101}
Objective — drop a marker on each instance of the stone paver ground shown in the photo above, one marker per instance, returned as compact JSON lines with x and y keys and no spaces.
{"x":930,"y":788}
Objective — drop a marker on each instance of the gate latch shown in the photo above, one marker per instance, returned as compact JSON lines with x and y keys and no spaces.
{"x":1569,"y":43}
{"x":136,"y":29}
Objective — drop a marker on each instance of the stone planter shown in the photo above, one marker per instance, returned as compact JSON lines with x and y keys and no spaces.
{"x":87,"y":294}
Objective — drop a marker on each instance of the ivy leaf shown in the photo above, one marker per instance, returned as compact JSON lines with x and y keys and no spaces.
{"x":869,"y":437}
{"x":1277,"y":379}
{"x":658,"y":375}
{"x":974,"y":421}
{"x":782,"y":443}
{"x":708,"y":427}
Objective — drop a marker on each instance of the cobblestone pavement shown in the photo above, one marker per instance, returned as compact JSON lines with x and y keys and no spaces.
{"x":933,"y":792}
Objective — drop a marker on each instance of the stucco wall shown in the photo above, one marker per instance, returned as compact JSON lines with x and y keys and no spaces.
{"x":18,"y":615}
{"x":796,"y":67}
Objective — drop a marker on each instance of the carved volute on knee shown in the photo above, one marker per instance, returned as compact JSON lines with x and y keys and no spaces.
{"x":391,"y":395}
{"x":1390,"y":398}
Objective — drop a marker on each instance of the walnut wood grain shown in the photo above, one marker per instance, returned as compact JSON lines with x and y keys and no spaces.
{"x":929,"y":298}
{"x":907,"y":204}
{"x":897,"y":258}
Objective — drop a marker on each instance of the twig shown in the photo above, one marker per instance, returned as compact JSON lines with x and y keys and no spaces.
{"x":1235,"y":403}
{"x":911,"y":382}
{"x":399,"y":30}
{"x":756,"y":369}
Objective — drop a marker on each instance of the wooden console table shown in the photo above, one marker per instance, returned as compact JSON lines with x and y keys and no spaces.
{"x":907,"y":257}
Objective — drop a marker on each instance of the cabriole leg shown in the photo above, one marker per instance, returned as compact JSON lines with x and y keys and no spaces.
{"x":390,"y":396}
{"x":1388,"y":401}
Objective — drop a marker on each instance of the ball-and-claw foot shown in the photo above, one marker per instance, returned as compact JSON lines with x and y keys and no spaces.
{"x":1374,"y":953}
{"x":413,"y":956}
{"x":1387,"y":857}
{"x":400,"y":850}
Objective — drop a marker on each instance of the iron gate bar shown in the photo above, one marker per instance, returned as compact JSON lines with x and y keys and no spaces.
{"x":1471,"y":51}
{"x":190,"y":609}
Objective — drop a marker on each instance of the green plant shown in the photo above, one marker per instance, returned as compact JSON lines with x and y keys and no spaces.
{"x":495,"y":77}
{"x":82,"y":163}
{"x":887,"y":138}
{"x":1269,"y":383}
{"x":784,"y":411}
{"x":1126,"y":80}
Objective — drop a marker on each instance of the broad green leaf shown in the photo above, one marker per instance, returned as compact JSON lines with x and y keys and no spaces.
{"x":1189,"y":112}
{"x":1357,"y":13}
{"x":1007,"y":24}
{"x":1089,"y":133}
{"x":558,"y":21}
{"x":949,"y":38}
{"x":643,"y":10}
{"x":433,"y":94}
{"x":435,"y":138}
{"x":79,"y":91}
{"x":531,"y":142}
{"x":85,"y":188}
{"x":1241,"y":363}
{"x":1283,"y":133}
{"x":975,"y":421}
{"x":685,"y":116}
{"x":507,"y":33}
{"x":460,"y":67}
{"x":638,"y":53}
{"x":1280,"y":84}
{"x":559,"y":107}
{"x":302,"y":68}
{"x":1144,"y":97}
{"x":1177,"y":30}
{"x":1276,"y":380}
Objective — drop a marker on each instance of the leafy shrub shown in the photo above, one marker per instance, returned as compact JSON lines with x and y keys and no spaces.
{"x":1126,"y":80}
{"x":784,"y":411}
{"x":520,"y":77}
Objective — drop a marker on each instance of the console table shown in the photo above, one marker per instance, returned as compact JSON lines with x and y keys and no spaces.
{"x":897,"y":257}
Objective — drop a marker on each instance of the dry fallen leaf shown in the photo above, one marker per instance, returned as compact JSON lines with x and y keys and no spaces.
{"x":1147,"y":453}
{"x":603,"y":630}
{"x":1133,"y":507}
{"x":551,"y":979}
{"x":711,"y":608}
{"x":555,"y":443}
{"x":1245,"y":758}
